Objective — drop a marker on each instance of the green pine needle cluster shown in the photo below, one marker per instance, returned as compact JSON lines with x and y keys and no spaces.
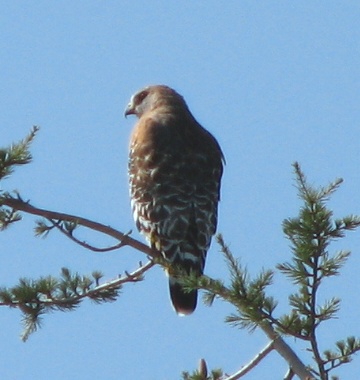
{"x":7,"y":217}
{"x":342,"y":353}
{"x":37,"y":297}
{"x":246,"y":294}
{"x":16,"y":154}
{"x":10,"y":157}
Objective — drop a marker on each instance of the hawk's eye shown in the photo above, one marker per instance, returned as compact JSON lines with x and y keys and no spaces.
{"x":142,"y":96}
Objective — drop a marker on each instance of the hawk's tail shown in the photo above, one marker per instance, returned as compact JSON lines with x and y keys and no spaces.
{"x":184,"y":302}
{"x":190,"y":260}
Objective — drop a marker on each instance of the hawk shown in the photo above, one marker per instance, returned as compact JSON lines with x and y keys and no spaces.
{"x":175,"y":169}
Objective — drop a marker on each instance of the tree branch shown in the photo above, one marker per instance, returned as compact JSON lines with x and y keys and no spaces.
{"x":296,"y":365}
{"x":278,"y":343}
{"x":20,"y":205}
{"x":134,"y":276}
{"x":253,"y":363}
{"x":83,"y":244}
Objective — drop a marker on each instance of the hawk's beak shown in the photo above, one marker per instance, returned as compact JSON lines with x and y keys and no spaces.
{"x":129,"y":110}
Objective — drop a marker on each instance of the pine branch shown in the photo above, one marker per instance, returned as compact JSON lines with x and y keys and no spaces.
{"x":250,"y":313}
{"x":38,"y":297}
{"x":16,"y":154}
{"x":310,"y":235}
{"x":345,"y":349}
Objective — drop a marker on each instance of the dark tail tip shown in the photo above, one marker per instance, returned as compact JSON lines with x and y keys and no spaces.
{"x":184,"y":303}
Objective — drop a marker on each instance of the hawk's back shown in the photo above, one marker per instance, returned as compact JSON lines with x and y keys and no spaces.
{"x":175,"y":168}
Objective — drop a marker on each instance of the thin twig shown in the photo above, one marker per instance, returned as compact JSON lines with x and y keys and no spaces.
{"x":83,"y":244}
{"x":338,"y":360}
{"x":253,"y":363}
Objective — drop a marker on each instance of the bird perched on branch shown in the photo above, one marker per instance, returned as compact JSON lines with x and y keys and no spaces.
{"x":175,"y":169}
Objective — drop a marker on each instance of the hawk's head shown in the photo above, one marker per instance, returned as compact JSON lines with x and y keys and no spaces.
{"x":151,"y":97}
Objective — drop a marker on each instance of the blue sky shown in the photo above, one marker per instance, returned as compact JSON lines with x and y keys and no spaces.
{"x":274,"y":81}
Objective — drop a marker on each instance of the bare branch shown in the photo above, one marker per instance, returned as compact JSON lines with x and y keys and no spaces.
{"x":129,"y":277}
{"x":287,"y":353}
{"x":253,"y":363}
{"x":20,"y":205}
